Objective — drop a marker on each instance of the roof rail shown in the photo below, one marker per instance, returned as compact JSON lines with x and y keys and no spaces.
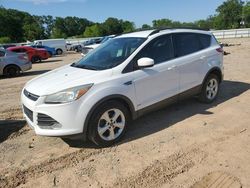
{"x":154,"y":32}
{"x":158,"y":29}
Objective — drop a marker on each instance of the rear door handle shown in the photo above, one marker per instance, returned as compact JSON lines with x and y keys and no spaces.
{"x":202,"y":57}
{"x":171,"y":68}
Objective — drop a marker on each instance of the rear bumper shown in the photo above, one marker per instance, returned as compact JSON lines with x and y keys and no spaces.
{"x":26,"y":67}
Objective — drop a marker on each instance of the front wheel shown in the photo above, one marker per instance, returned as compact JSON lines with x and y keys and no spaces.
{"x":59,"y":51}
{"x":108,"y":123}
{"x":210,"y":89}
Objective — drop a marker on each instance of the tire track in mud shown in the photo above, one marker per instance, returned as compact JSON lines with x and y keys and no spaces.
{"x":11,"y":114}
{"x":161,"y":172}
{"x":20,"y":177}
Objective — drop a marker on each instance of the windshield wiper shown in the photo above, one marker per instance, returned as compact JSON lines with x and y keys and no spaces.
{"x":89,"y":67}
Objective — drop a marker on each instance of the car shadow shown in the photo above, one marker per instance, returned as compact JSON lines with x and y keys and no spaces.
{"x":50,"y":61}
{"x":8,"y":127}
{"x":34,"y":73}
{"x":170,"y":115}
{"x":29,"y":73}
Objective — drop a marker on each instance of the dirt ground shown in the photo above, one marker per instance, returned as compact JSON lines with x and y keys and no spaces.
{"x":188,"y":144}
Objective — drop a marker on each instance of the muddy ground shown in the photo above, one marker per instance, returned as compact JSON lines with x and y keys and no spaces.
{"x":188,"y":144}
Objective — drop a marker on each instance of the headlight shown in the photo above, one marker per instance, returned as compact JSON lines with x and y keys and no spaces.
{"x":67,"y":95}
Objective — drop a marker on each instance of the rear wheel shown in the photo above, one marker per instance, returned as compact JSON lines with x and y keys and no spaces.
{"x":210,"y":89}
{"x":108,"y":123}
{"x":36,"y":59}
{"x":12,"y":71}
{"x":59,"y":51}
{"x":50,"y":54}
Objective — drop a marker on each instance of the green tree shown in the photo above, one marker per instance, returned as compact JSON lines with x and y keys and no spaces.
{"x":59,"y":29}
{"x":246,"y":14}
{"x":127,"y":26}
{"x":48,"y":25}
{"x":145,"y":26}
{"x":229,"y":14}
{"x":94,"y":31}
{"x":112,"y":26}
{"x":11,"y":24}
{"x":4,"y":40}
{"x":162,"y":23}
{"x":32,"y":27}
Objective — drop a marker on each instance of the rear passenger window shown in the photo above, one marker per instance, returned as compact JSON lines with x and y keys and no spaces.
{"x":160,"y":50}
{"x":205,"y":40}
{"x":186,"y":43}
{"x":16,"y":50}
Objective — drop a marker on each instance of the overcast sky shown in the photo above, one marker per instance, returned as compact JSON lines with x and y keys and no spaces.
{"x":138,"y":11}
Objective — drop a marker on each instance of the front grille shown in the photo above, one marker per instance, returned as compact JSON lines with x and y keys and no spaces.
{"x":28,"y":113}
{"x":31,"y":96}
{"x":44,"y":120}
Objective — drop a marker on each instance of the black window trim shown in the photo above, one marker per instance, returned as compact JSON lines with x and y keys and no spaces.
{"x":129,"y":69}
{"x":203,"y":48}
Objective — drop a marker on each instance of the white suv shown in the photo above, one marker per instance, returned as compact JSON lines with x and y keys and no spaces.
{"x":122,"y":80}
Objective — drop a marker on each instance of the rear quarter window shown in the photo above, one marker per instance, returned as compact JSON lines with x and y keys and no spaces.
{"x":186,"y":43}
{"x":205,"y":40}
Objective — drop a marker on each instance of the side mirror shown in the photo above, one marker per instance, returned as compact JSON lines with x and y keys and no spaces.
{"x":145,"y":62}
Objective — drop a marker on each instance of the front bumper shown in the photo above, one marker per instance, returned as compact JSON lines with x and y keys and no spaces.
{"x":70,"y":117}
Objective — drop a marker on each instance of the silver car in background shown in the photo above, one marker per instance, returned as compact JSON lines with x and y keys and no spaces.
{"x":12,"y":64}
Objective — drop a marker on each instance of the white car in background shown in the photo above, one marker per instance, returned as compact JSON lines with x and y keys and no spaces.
{"x":58,"y":44}
{"x":121,"y":80}
{"x":87,"y":48}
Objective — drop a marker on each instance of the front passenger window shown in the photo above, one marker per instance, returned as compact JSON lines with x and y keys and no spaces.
{"x":159,"y":49}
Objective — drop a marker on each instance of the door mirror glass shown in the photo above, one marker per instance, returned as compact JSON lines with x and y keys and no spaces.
{"x":145,"y":62}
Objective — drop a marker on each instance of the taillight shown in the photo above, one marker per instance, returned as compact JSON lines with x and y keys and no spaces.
{"x":220,"y":50}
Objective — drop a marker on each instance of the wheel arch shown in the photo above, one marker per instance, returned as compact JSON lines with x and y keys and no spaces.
{"x":59,"y":49}
{"x":215,"y":70}
{"x":117,"y":97}
{"x":10,"y":65}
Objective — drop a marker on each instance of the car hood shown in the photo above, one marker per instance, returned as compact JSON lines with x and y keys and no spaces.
{"x":64,"y":78}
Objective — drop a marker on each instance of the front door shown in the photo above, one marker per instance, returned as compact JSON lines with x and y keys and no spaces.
{"x":161,"y":81}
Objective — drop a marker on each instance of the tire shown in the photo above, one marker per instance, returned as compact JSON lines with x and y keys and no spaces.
{"x":50,"y":54}
{"x":59,"y":51}
{"x":12,"y":71}
{"x":36,"y":59}
{"x":103,"y":130}
{"x":210,"y":89}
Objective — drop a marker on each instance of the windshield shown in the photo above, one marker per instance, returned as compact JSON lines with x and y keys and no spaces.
{"x":110,"y":54}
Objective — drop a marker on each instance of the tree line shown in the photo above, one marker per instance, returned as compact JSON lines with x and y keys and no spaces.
{"x":19,"y":26}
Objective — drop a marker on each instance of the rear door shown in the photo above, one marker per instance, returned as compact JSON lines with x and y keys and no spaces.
{"x":191,"y":58}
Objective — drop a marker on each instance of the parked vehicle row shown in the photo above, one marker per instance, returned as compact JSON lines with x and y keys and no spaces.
{"x":58,"y":44}
{"x":35,"y":55}
{"x":51,"y":51}
{"x":86,"y":46}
